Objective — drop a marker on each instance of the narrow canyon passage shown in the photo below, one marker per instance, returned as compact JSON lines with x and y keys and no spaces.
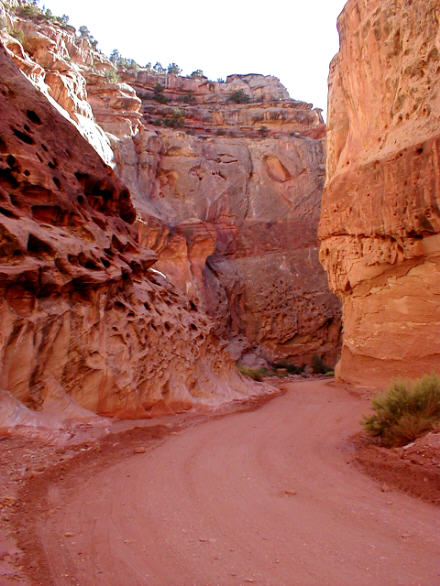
{"x":264,"y":497}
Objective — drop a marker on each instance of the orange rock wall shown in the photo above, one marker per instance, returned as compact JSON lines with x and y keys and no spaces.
{"x":242,"y":206}
{"x":380,"y":218}
{"x":82,"y":310}
{"x":230,"y":202}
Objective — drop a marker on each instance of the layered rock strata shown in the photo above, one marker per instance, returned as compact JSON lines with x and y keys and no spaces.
{"x":83,"y":312}
{"x":239,"y":190}
{"x":381,"y":206}
{"x":227,"y":194}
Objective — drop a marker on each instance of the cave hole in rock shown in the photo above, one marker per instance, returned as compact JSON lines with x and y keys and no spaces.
{"x":44,"y":147}
{"x":167,"y":326}
{"x":193,"y":327}
{"x":53,"y":164}
{"x":33,"y":116}
{"x":16,"y":201}
{"x":23,"y":136}
{"x":3,"y":147}
{"x":105,"y":262}
{"x":12,"y":163}
{"x":26,"y":172}
{"x":56,"y":181}
{"x":87,"y":262}
{"x":8,"y":213}
{"x":7,"y":176}
{"x":99,"y":194}
{"x":38,"y":247}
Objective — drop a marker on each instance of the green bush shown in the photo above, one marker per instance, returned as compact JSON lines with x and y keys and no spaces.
{"x":111,"y":75}
{"x":188,"y":98}
{"x":197,"y":73}
{"x":158,"y":95}
{"x":174,"y":69}
{"x":28,"y":11}
{"x":239,"y":97}
{"x":255,"y":373}
{"x":160,"y":98}
{"x":175,"y":119}
{"x":18,"y":34}
{"x":405,"y":411}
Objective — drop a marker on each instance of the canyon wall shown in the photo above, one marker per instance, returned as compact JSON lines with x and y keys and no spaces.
{"x":243,"y":206}
{"x":227,"y":195}
{"x":239,"y":187}
{"x":84,"y":315}
{"x":380,"y":219}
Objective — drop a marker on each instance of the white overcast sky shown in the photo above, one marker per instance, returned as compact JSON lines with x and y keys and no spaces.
{"x":294,"y":40}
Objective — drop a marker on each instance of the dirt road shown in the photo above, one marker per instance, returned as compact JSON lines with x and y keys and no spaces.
{"x":264,"y":497}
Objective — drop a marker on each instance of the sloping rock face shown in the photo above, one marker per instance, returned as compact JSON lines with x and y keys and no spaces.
{"x":82,"y":311}
{"x":227,"y":194}
{"x":240,"y":191}
{"x":381,"y":218}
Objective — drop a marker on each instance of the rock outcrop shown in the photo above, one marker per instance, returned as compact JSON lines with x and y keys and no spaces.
{"x":239,"y":191}
{"x":83,"y":312}
{"x":381,"y":207}
{"x":227,"y":194}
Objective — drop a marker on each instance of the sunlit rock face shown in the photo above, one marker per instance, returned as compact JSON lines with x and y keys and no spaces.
{"x":227,"y":194}
{"x":239,"y":190}
{"x":84,"y":315}
{"x":380,"y":219}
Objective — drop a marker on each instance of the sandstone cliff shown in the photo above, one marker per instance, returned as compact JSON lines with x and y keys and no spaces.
{"x":230,"y":202}
{"x":239,"y":189}
{"x":381,"y":217}
{"x":82,"y":311}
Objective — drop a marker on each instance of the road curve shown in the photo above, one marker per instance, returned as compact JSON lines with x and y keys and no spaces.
{"x":263,"y":497}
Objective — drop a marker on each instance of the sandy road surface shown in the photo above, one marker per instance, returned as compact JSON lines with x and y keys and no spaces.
{"x":209,"y":506}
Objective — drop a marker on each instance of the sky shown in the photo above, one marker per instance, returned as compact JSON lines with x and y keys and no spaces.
{"x":294,"y":40}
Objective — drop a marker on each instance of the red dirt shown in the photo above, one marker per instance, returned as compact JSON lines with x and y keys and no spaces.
{"x":270,"y":496}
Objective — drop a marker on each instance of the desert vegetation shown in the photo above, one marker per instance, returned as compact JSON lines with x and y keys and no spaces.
{"x":33,"y":11}
{"x":406,"y":410}
{"x":239,"y":97}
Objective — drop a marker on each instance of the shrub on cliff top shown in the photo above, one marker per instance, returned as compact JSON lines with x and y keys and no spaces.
{"x":197,"y":73}
{"x":405,"y":411}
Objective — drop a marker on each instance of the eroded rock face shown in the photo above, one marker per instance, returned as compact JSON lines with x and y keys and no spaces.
{"x":241,"y":201}
{"x":381,"y":218}
{"x":81,"y":308}
{"x":227,"y":194}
